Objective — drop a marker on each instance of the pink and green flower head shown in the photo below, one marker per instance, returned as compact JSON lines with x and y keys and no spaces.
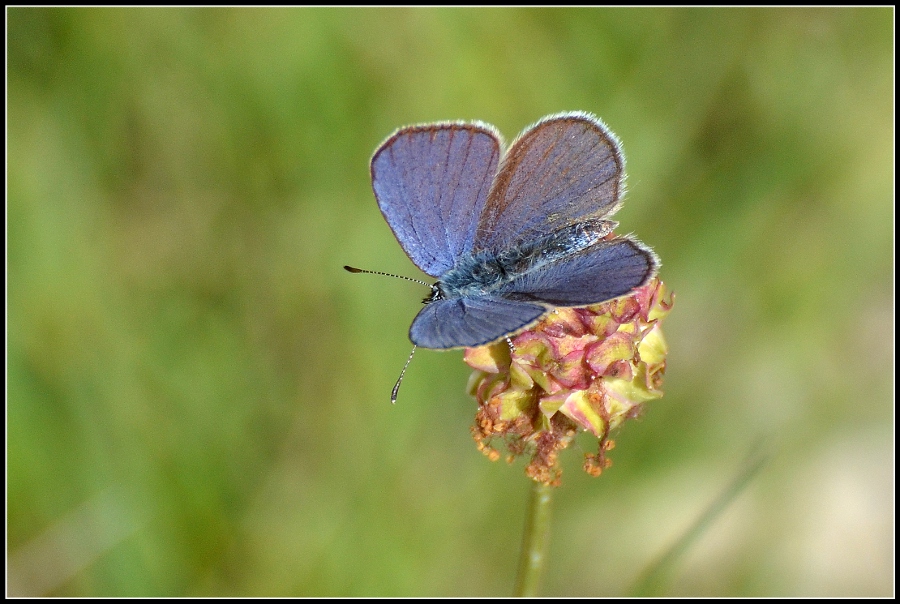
{"x":587,"y":368}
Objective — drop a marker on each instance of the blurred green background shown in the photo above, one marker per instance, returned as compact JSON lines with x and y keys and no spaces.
{"x":198,"y":394}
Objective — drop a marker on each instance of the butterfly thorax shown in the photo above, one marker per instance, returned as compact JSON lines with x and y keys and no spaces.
{"x":485,"y":272}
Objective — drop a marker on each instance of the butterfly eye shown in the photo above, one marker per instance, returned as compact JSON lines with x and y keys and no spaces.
{"x":435,"y":295}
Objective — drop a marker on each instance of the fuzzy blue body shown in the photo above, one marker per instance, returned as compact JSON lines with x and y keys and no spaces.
{"x":485,"y":272}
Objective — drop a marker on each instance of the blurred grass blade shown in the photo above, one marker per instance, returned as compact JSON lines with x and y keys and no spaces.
{"x":68,"y":546}
{"x":655,"y":576}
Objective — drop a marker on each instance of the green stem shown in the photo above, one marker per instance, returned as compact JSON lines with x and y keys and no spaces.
{"x":534,"y":540}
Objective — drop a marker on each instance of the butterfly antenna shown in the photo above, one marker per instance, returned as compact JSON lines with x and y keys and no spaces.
{"x":351,"y":269}
{"x":400,"y":379}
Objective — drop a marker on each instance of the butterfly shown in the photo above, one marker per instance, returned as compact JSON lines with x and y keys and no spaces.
{"x":508,"y":235}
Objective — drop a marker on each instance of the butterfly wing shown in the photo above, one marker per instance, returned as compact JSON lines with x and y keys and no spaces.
{"x":563,"y":170}
{"x":469,"y":322}
{"x":606,"y":270}
{"x":431,"y":183}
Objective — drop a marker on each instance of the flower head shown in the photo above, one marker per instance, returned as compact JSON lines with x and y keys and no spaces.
{"x":585,"y":368}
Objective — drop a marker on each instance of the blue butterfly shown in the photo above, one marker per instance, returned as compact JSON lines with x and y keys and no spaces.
{"x":508,"y":236}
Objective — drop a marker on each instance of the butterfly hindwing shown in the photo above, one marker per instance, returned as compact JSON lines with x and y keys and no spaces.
{"x":606,"y":270}
{"x":466,"y":322}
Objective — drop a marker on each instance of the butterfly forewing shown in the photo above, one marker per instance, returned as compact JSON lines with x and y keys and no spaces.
{"x":431,"y":183}
{"x":563,"y":170}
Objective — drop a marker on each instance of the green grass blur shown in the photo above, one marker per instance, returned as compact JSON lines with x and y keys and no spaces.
{"x":198,"y":394}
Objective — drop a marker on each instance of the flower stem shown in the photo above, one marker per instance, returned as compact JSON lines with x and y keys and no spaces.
{"x":534,"y":540}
